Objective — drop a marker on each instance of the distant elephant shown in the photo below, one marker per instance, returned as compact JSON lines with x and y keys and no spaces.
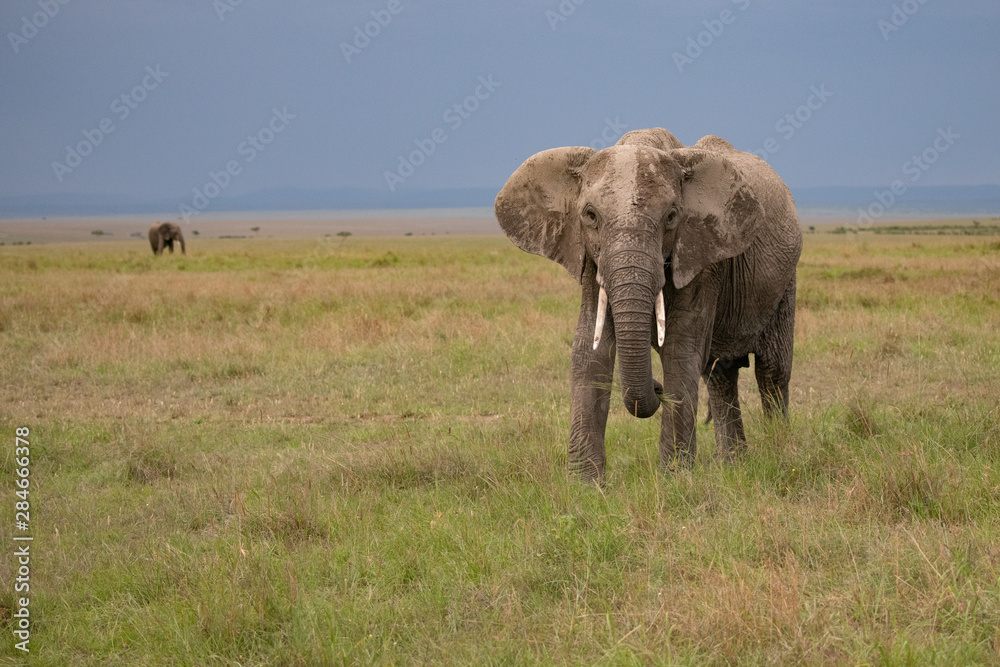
{"x":164,"y":234}
{"x":694,"y":249}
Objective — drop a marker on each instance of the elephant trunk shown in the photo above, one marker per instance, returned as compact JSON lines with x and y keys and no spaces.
{"x":632,"y":292}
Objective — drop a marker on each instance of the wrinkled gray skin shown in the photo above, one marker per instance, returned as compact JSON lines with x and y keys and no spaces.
{"x":715,"y":229}
{"x":164,"y":234}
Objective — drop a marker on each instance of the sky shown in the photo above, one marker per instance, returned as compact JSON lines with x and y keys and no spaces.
{"x":164,"y":98}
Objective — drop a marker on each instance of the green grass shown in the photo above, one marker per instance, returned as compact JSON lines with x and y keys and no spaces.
{"x":922,"y":230}
{"x":352,"y":451}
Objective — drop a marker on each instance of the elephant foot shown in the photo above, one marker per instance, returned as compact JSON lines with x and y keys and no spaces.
{"x":588,"y":472}
{"x":587,"y":480}
{"x":731,"y":453}
{"x":681,"y":461}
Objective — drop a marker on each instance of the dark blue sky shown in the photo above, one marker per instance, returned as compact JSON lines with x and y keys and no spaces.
{"x":885,"y":80}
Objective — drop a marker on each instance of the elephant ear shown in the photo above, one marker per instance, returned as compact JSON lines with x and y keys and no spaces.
{"x":537,"y":207}
{"x":721,"y":213}
{"x":656,"y":137}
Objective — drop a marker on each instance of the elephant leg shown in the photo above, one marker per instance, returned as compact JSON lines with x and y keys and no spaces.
{"x":722,"y":377}
{"x":678,"y":441}
{"x":773,"y":356}
{"x":591,"y":380}
{"x":683,"y":354}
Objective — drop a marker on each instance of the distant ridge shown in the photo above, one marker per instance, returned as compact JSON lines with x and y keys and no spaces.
{"x":945,"y":201}
{"x":861,"y":196}
{"x":928,"y":201}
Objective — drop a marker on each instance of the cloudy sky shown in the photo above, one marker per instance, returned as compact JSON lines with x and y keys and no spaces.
{"x":151,"y":98}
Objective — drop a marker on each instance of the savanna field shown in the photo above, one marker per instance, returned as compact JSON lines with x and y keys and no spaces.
{"x":353,"y":451}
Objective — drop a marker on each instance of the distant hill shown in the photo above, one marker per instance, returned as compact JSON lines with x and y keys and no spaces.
{"x":946,"y":201}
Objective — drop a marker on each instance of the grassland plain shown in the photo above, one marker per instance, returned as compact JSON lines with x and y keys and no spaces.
{"x":353,"y":451}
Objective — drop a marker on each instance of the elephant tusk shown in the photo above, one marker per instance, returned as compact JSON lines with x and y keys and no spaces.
{"x":661,"y":319}
{"x":602,"y":307}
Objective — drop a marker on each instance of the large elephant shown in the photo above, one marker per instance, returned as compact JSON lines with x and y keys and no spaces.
{"x":164,"y":234}
{"x":694,"y":249}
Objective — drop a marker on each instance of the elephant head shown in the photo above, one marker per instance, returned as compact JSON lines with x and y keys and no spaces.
{"x":632,"y":209}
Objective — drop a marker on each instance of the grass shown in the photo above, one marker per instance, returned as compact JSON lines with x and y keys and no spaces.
{"x":352,"y":451}
{"x":977,"y":228}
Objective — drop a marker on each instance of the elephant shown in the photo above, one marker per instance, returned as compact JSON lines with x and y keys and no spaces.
{"x":689,"y":250}
{"x":164,"y":234}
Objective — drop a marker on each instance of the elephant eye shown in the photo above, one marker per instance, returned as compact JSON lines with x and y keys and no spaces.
{"x":590,"y":217}
{"x":672,"y":215}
